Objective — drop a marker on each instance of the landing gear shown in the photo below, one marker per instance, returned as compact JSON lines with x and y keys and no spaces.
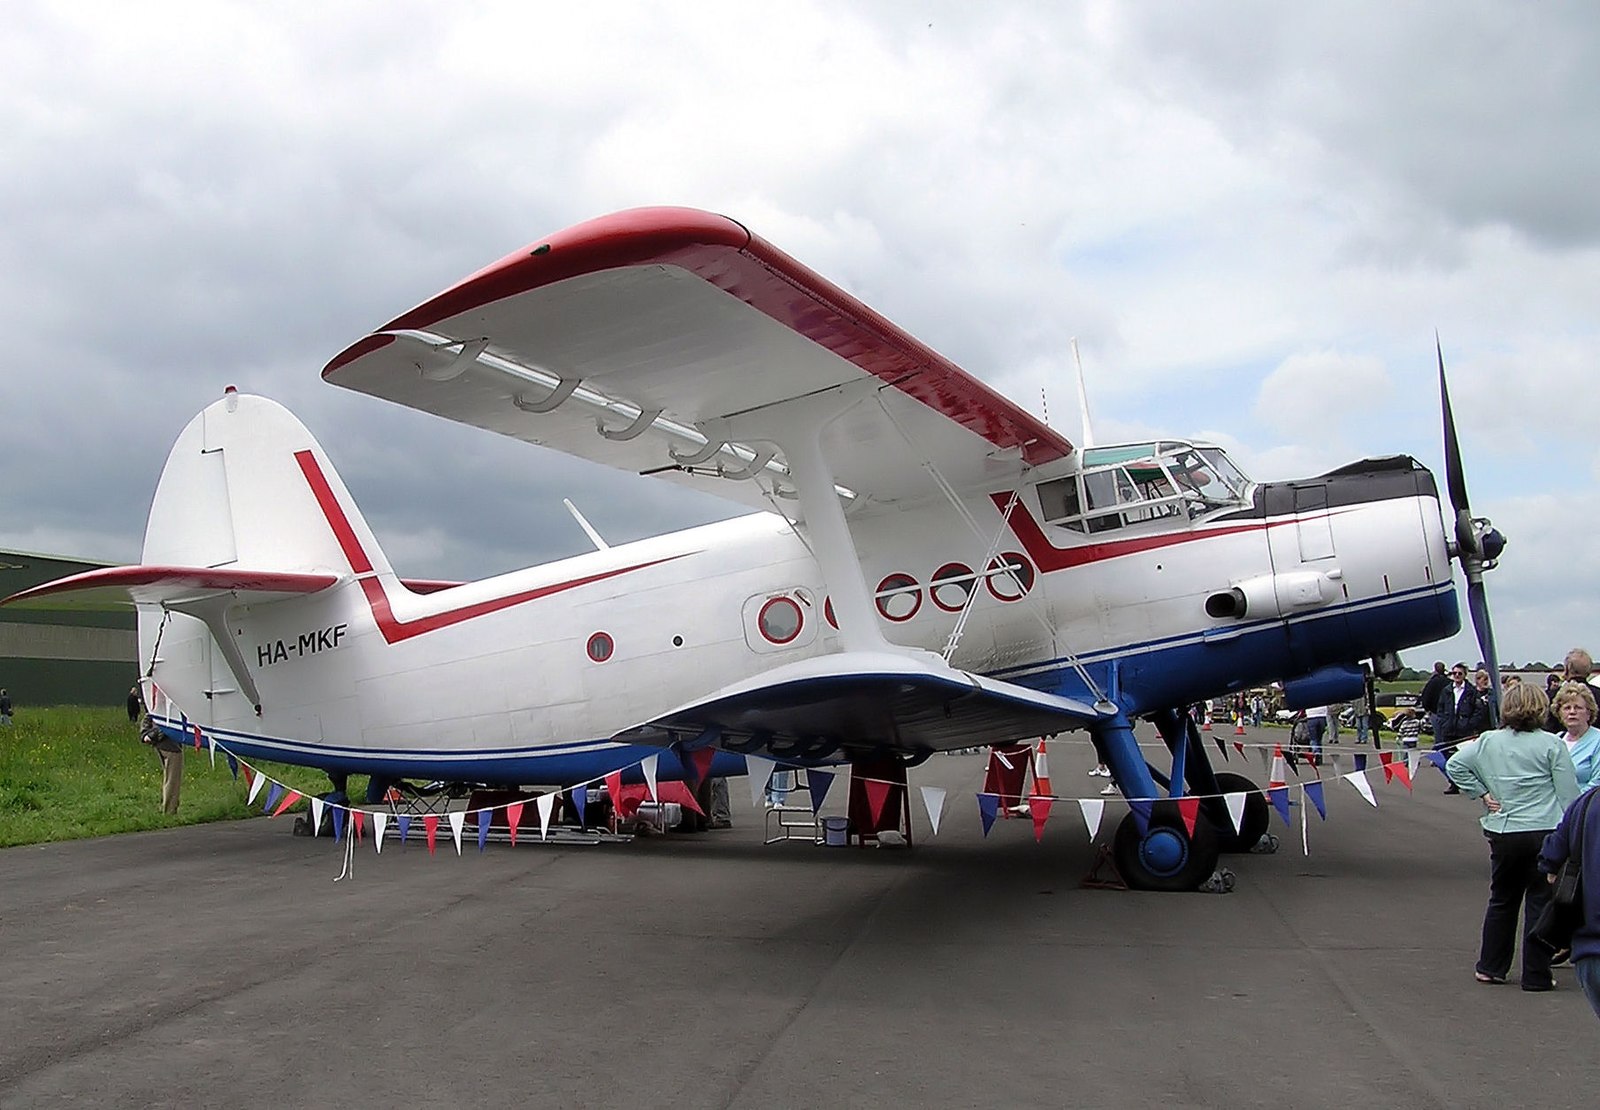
{"x":1165,"y":856}
{"x":1252,"y":822}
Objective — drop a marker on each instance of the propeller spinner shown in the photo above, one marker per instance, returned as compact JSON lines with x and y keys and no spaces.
{"x":1478,"y":544}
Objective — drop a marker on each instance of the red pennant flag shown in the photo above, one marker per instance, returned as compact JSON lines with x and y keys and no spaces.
{"x":431,"y":823}
{"x":289,"y":799}
{"x":249,"y":775}
{"x":877,"y":794}
{"x":1039,"y":810}
{"x":614,"y":789}
{"x":513,"y":817}
{"x":357,"y":818}
{"x":700,"y":760}
{"x":1401,"y":771}
{"x":1189,"y":809}
{"x":1387,"y":758}
{"x":1238,"y":747}
{"x":196,"y":737}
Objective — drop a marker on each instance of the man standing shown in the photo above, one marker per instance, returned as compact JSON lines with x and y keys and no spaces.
{"x":1437,"y":684}
{"x":1316,"y":730}
{"x":1459,"y":714}
{"x":171,"y":755}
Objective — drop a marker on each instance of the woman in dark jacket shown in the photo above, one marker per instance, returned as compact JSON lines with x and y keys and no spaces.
{"x":1557,"y":847}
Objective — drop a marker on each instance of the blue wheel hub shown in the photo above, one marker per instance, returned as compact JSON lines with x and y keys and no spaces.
{"x":1164,"y":851}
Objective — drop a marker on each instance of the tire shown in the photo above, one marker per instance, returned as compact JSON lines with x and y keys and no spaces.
{"x":1253,"y":822}
{"x":1166,"y":857}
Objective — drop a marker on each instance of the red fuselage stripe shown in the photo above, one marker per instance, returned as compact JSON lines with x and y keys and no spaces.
{"x":1048,"y":557}
{"x":393,"y":629}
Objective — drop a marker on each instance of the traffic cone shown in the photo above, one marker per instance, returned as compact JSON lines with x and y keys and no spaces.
{"x":1238,"y":727}
{"x":1041,"y":772}
{"x":1205,"y":725}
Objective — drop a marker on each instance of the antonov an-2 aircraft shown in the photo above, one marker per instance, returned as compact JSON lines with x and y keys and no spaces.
{"x":931,"y":567}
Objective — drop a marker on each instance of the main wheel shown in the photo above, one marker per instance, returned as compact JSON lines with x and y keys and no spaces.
{"x":1252,"y":823}
{"x":1165,"y":857}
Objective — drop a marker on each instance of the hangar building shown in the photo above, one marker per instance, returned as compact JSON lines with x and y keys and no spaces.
{"x":65,"y":658}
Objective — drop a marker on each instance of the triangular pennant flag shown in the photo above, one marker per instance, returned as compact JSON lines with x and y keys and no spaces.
{"x":1039,"y":810}
{"x":430,"y":825}
{"x":819,"y":781}
{"x":547,"y":805}
{"x":1437,"y":759}
{"x":1305,"y":830}
{"x":1235,"y":802}
{"x":233,"y":764}
{"x":514,"y":818}
{"x":483,"y":828}
{"x":1361,"y":761}
{"x":1387,"y":759}
{"x":458,"y":821}
{"x":1140,"y":808}
{"x":1314,"y":796}
{"x":211,"y":743}
{"x":403,"y":823}
{"x":698,"y":764}
{"x":1189,"y":809}
{"x":256,"y":783}
{"x":580,"y":802}
{"x":358,"y":822}
{"x":272,"y":797}
{"x":289,"y":799}
{"x":1221,"y":747}
{"x":1238,"y":747}
{"x":614,"y":790}
{"x":757,"y":773}
{"x":1279,"y":796}
{"x":1411,"y":763}
{"x":648,"y":766}
{"x":877,"y":794}
{"x":316,"y":815}
{"x":988,"y":808}
{"x":933,"y":802}
{"x":338,"y":823}
{"x":1363,"y":787}
{"x":380,"y":825}
{"x":1092,"y":809}
{"x":196,"y":737}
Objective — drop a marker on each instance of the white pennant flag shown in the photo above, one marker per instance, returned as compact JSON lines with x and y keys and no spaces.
{"x":547,"y":806}
{"x":458,"y":818}
{"x":759,"y":772}
{"x":1358,"y":779}
{"x":1305,"y":823}
{"x":649,"y":769}
{"x":255,"y":788}
{"x":316,"y":815}
{"x":1236,"y":802}
{"x":380,"y":823}
{"x":933,"y":802}
{"x":211,"y":742}
{"x":1092,"y":809}
{"x":1413,"y":760}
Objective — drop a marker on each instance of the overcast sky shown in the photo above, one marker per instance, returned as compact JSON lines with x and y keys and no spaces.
{"x":1253,"y":217}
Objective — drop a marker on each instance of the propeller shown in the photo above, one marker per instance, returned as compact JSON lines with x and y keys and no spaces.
{"x":1478,"y":543}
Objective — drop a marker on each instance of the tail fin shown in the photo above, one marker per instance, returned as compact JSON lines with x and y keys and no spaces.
{"x":247,"y":485}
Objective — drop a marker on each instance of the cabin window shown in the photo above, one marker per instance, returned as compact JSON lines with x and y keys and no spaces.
{"x":899,"y":597}
{"x":950,"y":586}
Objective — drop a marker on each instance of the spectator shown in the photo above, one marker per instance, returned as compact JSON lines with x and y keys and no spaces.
{"x":1525,"y":779}
{"x":5,"y":709}
{"x":1586,"y":938}
{"x":170,"y":753}
{"x":135,"y":703}
{"x":1437,"y":684}
{"x":1408,"y":726}
{"x":1458,"y":715}
{"x":1577,"y":667}
{"x":1316,"y":728}
{"x":1575,"y":708}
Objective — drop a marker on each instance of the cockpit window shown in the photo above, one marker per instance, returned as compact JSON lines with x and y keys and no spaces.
{"x":1118,"y":487}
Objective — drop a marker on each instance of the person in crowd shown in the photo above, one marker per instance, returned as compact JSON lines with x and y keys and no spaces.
{"x":1408,"y":727}
{"x":1552,"y":683}
{"x":1459,"y":714}
{"x":1578,"y":666}
{"x":1438,"y":682}
{"x":5,"y":709}
{"x":1316,"y":723}
{"x":135,"y":704}
{"x":1575,"y":708}
{"x":1579,"y":827}
{"x":170,"y":753}
{"x":1524,"y":777}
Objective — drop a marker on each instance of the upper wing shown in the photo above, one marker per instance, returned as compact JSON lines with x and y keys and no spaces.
{"x":122,"y":586}
{"x":814,"y":707}
{"x":625,"y":339}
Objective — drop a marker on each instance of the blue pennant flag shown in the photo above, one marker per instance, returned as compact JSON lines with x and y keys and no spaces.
{"x":233,"y":765}
{"x":988,"y":809}
{"x":1361,"y":761}
{"x":1141,"y":814}
{"x":580,"y":802}
{"x":819,"y":781}
{"x":483,"y":828}
{"x":1279,"y":796}
{"x":1314,"y":792}
{"x":1435,"y":758}
{"x":273,"y":797}
{"x":405,"y":826}
{"x":338,"y":823}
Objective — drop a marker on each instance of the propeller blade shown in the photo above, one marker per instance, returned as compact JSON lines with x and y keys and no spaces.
{"x":1478,"y":603}
{"x":1455,"y":478}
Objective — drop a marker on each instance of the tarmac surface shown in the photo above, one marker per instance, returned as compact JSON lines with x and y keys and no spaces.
{"x":221,"y":965}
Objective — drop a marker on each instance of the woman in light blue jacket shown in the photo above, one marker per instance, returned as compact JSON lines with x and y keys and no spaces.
{"x":1574,"y":707}
{"x":1525,"y":778}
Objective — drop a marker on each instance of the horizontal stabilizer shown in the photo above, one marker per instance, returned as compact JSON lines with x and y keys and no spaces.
{"x":119,"y":587}
{"x":813,"y":708}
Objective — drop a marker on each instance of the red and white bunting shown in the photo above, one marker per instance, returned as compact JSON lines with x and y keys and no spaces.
{"x":933,"y":802}
{"x":1235,"y":802}
{"x":458,"y":819}
{"x":757,"y":772}
{"x":547,"y":805}
{"x":1358,"y":779}
{"x":256,"y":783}
{"x":380,"y":824}
{"x":316,"y":815}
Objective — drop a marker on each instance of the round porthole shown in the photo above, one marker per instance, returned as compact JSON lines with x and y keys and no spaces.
{"x":1010,"y":584}
{"x":899,"y":597}
{"x":780,"y":620}
{"x":950,"y":586}
{"x":600,"y":647}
